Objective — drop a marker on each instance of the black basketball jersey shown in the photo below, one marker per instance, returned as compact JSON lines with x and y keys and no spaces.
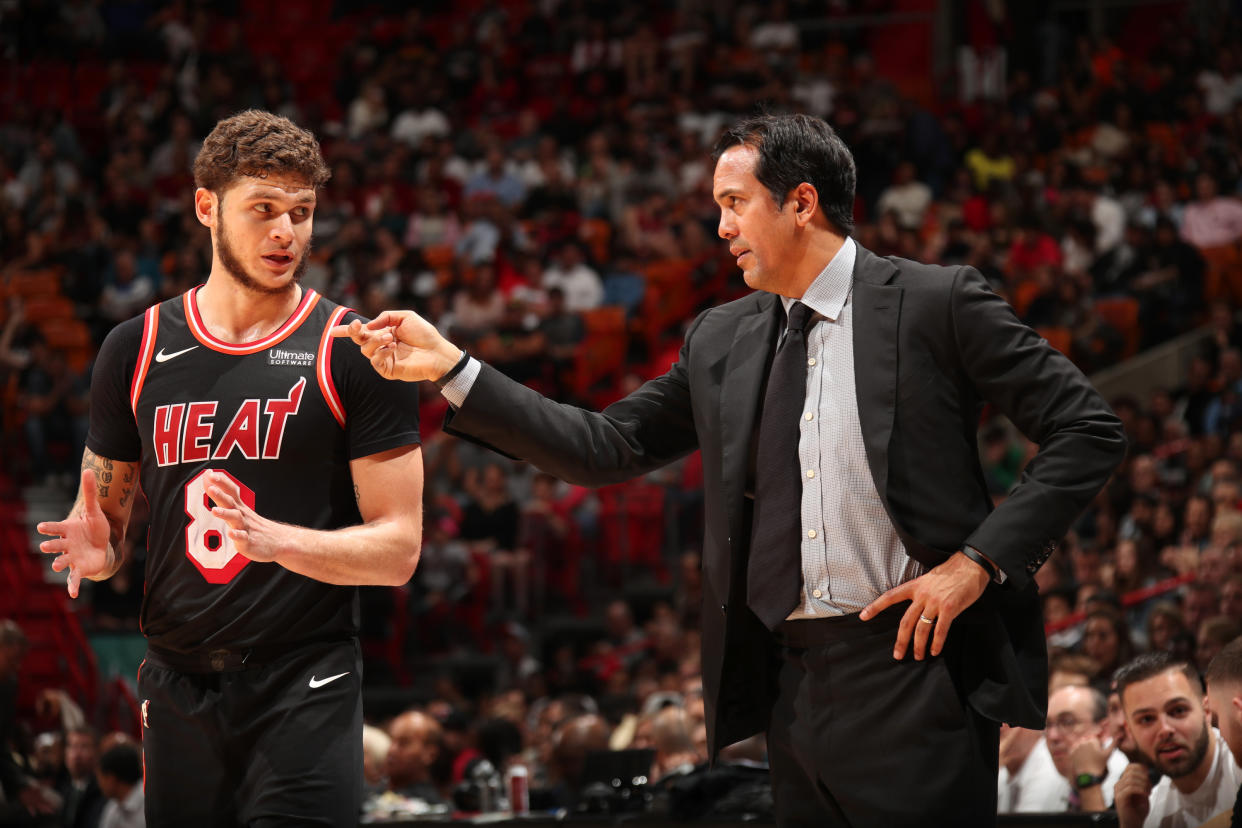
{"x":282,"y":416}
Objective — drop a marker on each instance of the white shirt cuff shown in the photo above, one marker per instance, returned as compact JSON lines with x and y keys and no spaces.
{"x":456,"y":389}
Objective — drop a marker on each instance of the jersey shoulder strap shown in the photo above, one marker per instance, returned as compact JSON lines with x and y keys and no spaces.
{"x":146,"y":349}
{"x":323,"y":362}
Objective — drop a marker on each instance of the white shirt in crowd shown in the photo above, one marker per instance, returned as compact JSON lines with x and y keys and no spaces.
{"x":125,"y":813}
{"x":1035,"y":788}
{"x":1170,"y":808}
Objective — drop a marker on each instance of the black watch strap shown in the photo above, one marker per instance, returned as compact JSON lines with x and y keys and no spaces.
{"x":978,"y":558}
{"x":1088,"y":780}
{"x":455,"y":370}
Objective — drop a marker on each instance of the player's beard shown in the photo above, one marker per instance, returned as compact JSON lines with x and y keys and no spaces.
{"x":232,"y":263}
{"x":1178,"y":768}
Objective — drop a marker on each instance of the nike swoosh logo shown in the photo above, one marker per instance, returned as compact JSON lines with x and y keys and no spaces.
{"x":163,"y":357}
{"x":314,"y":682}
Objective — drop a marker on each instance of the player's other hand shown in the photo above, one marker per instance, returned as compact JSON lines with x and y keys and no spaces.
{"x":402,"y":345}
{"x":254,"y":536}
{"x":82,"y":545}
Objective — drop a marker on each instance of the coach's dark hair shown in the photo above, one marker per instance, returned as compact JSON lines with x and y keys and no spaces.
{"x":797,"y":148}
{"x":1226,"y":665}
{"x":1150,"y":665}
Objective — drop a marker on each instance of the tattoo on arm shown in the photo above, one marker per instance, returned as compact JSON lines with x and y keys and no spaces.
{"x":107,"y":475}
{"x":103,"y":468}
{"x":357,"y":494}
{"x":129,"y":484}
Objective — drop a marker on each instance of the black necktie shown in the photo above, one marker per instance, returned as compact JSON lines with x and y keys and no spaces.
{"x":774,"y":571}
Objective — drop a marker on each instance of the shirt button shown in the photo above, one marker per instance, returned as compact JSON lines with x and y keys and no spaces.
{"x":810,"y":472}
{"x":811,"y":534}
{"x":818,"y":594}
{"x":808,"y":415}
{"x":811,"y":361}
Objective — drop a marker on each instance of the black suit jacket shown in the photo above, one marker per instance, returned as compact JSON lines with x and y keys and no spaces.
{"x":931,"y":345}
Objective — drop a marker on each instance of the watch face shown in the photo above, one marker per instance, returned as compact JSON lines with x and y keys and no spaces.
{"x":1086,"y":780}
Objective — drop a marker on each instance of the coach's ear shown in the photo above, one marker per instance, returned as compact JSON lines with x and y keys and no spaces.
{"x":205,"y":206}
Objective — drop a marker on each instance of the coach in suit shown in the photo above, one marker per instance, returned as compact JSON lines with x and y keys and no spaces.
{"x":863,"y":602}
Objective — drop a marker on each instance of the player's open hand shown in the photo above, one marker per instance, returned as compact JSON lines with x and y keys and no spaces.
{"x":402,"y":345}
{"x":936,"y":598}
{"x":83,"y":542}
{"x":254,"y":536}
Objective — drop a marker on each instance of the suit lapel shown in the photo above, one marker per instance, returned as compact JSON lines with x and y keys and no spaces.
{"x":877,"y":317}
{"x":877,"y":311}
{"x":740,"y":389}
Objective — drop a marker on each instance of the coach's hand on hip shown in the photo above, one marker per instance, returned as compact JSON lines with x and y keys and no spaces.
{"x":936,"y":598}
{"x":402,"y":345}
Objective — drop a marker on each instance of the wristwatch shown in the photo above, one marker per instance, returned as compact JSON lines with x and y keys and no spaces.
{"x":1088,"y":780}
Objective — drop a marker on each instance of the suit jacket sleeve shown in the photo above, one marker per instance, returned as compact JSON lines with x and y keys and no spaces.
{"x":647,"y":429}
{"x":1081,"y":441}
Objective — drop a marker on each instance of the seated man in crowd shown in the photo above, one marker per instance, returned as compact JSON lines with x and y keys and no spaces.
{"x":120,"y":779}
{"x":84,"y":801}
{"x":1224,"y":689}
{"x":416,"y":741}
{"x":1164,"y":703}
{"x":1028,"y":781}
{"x":1082,"y":753}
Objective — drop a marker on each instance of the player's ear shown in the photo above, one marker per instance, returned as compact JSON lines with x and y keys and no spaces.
{"x":205,"y":206}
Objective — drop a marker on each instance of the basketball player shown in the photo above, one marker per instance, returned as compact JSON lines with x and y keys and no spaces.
{"x":281,"y":473}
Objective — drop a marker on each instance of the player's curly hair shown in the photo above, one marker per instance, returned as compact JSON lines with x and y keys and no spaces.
{"x":257,"y":143}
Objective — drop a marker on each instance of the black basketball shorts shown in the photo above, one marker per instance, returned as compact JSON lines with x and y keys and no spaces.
{"x":277,"y":744}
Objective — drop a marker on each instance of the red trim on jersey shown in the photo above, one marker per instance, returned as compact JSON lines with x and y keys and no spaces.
{"x":323,"y":367}
{"x":150,"y":327}
{"x":309,"y":299}
{"x":142,"y":720}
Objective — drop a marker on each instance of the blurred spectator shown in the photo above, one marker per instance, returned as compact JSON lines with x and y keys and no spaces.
{"x":582,"y":286}
{"x":54,"y":399}
{"x":1211,"y":220}
{"x":27,"y":796}
{"x":415,"y":746}
{"x":489,"y":524}
{"x":494,"y":179}
{"x":120,"y":780}
{"x":375,"y":746}
{"x":907,"y":197}
{"x":1077,"y":725}
{"x":675,"y":753}
{"x":1029,"y":781}
{"x":1167,"y":279}
{"x":572,"y":742}
{"x":84,"y":799}
{"x":431,"y":224}
{"x":1107,"y":640}
{"x":1164,"y":624}
{"x":443,"y":587}
{"x":480,"y":307}
{"x":543,"y":535}
{"x":47,"y":761}
{"x":1214,"y":633}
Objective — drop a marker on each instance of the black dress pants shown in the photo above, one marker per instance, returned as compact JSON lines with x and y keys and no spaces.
{"x":858,"y":739}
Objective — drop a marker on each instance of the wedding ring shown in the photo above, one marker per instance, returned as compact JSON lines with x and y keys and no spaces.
{"x":927,"y":620}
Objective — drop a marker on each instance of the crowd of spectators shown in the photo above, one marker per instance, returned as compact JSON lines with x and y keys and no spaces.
{"x":527,"y":175}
